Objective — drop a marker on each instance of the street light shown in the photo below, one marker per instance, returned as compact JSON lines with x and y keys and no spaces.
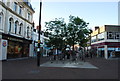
{"x":38,"y":53}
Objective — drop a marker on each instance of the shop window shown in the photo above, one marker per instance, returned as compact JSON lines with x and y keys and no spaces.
{"x":17,"y":49}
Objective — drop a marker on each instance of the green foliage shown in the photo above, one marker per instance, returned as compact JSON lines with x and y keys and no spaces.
{"x":60,"y":33}
{"x":55,"y":32}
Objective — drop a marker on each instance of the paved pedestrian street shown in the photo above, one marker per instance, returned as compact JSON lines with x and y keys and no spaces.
{"x":68,"y":64}
{"x":92,"y":68}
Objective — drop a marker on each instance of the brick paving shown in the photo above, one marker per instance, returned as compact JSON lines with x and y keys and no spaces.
{"x":27,"y":69}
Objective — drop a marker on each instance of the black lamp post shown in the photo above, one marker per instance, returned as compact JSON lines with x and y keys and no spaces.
{"x":38,"y":53}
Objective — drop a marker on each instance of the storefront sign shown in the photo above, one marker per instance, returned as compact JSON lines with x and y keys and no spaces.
{"x":4,"y":43}
{"x":15,"y":39}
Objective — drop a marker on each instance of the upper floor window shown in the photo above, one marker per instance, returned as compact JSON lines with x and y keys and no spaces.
{"x":93,"y":39}
{"x":20,"y":28}
{"x":10,"y":24}
{"x":20,"y":10}
{"x":101,"y":36}
{"x":110,"y":35}
{"x":113,"y":35}
{"x":16,"y":26}
{"x":4,"y":1}
{"x":117,"y":35}
{"x":28,"y":31}
{"x":15,"y":6}
{"x":28,"y":16}
{"x":0,"y":20}
{"x":31,"y":29}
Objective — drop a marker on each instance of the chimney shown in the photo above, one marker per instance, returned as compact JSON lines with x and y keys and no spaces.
{"x":97,"y":27}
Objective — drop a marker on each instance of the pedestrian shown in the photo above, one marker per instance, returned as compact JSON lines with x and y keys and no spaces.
{"x":82,"y":53}
{"x":73,"y":55}
{"x":59,"y":54}
{"x":90,"y":53}
{"x":54,"y":53}
{"x":63,"y":54}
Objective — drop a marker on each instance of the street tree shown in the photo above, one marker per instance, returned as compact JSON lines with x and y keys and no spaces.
{"x":77,"y":31}
{"x":61,"y":34}
{"x":55,"y":32}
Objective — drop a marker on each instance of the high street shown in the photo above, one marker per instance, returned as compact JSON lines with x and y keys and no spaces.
{"x":27,"y":69}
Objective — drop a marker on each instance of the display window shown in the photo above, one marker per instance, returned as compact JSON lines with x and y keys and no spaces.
{"x":17,"y":50}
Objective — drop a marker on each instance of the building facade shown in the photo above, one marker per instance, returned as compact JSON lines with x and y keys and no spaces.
{"x":105,"y":40}
{"x":16,"y":26}
{"x":44,"y":48}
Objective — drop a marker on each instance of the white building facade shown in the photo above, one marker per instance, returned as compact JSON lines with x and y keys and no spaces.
{"x":16,"y":26}
{"x":44,"y":48}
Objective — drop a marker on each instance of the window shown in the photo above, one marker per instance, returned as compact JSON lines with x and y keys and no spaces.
{"x":28,"y":16}
{"x":113,"y":35}
{"x":0,"y":21}
{"x":110,"y":35}
{"x":4,"y":1}
{"x":16,"y":26}
{"x":10,"y":24}
{"x":20,"y":29}
{"x":15,"y":6}
{"x":31,"y":29}
{"x":93,"y":39}
{"x":100,"y":36}
{"x":117,"y":35}
{"x":20,"y":10}
{"x":27,"y":32}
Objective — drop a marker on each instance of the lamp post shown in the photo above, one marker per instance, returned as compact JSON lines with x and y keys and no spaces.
{"x":38,"y":53}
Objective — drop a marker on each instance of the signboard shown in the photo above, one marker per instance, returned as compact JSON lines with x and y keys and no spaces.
{"x":4,"y":43}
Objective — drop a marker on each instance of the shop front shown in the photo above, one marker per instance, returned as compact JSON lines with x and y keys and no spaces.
{"x":107,"y":49}
{"x":17,"y":47}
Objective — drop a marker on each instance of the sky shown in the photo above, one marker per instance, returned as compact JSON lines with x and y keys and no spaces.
{"x":95,"y":13}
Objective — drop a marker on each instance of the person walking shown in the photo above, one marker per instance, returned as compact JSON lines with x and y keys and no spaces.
{"x":63,"y":54}
{"x":54,"y":53}
{"x":73,"y":55}
{"x":82,"y":55}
